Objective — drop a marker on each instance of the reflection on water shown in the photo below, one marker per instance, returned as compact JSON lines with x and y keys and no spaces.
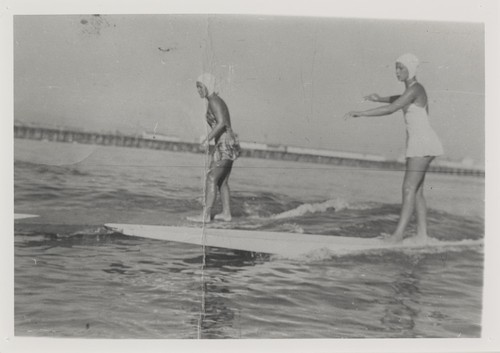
{"x":219,"y":316}
{"x":400,"y":313}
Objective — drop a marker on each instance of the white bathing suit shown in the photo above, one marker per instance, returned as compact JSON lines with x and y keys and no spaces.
{"x":421,"y":139}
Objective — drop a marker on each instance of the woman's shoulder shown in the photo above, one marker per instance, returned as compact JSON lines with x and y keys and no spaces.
{"x":419,"y":95}
{"x":216,"y":100}
{"x":416,"y":89}
{"x":417,"y":86}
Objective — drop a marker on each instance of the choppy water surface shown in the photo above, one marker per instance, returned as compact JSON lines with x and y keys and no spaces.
{"x":74,"y":278}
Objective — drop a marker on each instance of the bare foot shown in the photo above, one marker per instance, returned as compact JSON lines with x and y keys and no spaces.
{"x":415,"y":241}
{"x":199,"y":219}
{"x":392,"y":239}
{"x":383,"y":236}
{"x":223,"y":217}
{"x":419,"y":239}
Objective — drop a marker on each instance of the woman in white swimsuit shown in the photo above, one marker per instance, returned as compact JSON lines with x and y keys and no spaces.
{"x":226,"y":151}
{"x":422,"y":143}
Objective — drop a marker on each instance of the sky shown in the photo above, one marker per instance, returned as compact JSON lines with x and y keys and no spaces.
{"x":286,"y":79}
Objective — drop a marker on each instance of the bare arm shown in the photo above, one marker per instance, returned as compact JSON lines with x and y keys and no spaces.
{"x":398,"y":102}
{"x":221,"y":114}
{"x":376,"y":98}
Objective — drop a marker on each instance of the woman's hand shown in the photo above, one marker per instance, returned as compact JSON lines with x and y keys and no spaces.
{"x":352,"y":114}
{"x":372,"y":98}
{"x":204,"y":145}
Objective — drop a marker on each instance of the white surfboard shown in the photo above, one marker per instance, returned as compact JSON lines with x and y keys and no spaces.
{"x":23,"y":216}
{"x":285,"y":244}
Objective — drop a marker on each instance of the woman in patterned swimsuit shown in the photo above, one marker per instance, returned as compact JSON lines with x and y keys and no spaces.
{"x":226,"y":151}
{"x":422,"y":143}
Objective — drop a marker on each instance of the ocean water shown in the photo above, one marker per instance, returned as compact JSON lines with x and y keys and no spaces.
{"x":74,"y":278}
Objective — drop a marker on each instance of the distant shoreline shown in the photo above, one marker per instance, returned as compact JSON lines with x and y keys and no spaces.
{"x":251,"y":150}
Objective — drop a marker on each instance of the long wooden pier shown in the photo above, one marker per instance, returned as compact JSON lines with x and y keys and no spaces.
{"x":266,"y":152}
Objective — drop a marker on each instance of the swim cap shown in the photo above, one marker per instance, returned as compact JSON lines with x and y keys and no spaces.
{"x":208,"y":81}
{"x":411,"y":62}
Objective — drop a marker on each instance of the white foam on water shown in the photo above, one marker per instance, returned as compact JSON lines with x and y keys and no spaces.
{"x":292,"y":228}
{"x":337,"y":204}
{"x":23,"y":216}
{"x":408,"y":247}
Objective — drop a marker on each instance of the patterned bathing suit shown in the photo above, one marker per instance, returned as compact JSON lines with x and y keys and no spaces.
{"x":227,"y":146}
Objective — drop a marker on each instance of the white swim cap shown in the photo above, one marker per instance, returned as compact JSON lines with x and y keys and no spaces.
{"x":411,"y":62}
{"x":208,"y":81}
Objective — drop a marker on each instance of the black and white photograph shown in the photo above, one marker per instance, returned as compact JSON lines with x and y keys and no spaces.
{"x":224,"y":175}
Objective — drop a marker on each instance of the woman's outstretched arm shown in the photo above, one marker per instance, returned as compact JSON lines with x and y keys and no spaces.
{"x":399,"y":103}
{"x":374,"y":97}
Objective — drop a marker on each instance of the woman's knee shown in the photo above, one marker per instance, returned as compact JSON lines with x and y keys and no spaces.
{"x":409,"y":187}
{"x":211,"y":178}
{"x":420,"y":191}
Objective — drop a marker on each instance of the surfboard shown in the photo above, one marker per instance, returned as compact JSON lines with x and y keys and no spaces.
{"x":23,"y":216}
{"x":280,"y":243}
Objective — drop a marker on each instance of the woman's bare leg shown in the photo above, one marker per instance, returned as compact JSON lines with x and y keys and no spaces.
{"x":225,"y":194}
{"x":421,"y":211}
{"x":217,"y":172}
{"x":416,"y":167}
